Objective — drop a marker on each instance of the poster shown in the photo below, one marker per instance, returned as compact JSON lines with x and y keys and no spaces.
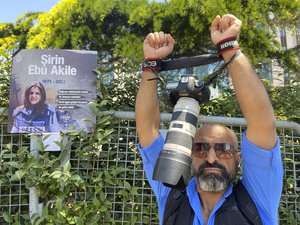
{"x":51,"y":91}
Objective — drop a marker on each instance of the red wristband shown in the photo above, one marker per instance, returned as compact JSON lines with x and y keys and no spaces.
{"x":227,"y":44}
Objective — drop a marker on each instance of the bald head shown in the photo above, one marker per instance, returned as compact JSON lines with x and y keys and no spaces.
{"x":218,"y":131}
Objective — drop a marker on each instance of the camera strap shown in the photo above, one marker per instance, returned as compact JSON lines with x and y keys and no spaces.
{"x":188,"y":62}
{"x":215,"y":74}
{"x":157,"y":65}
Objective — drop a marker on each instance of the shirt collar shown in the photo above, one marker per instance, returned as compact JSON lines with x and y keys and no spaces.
{"x":195,"y":201}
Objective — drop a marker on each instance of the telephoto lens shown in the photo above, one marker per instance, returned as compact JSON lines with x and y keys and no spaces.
{"x":173,"y":166}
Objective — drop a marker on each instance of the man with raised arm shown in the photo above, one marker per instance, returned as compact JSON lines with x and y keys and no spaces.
{"x":215,"y":159}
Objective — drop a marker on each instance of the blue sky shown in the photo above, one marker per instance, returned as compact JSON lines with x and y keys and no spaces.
{"x":11,"y":9}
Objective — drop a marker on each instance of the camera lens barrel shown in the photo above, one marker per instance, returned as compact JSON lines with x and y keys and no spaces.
{"x":173,"y":166}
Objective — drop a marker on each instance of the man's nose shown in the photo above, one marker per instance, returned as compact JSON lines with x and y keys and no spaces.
{"x":211,"y":155}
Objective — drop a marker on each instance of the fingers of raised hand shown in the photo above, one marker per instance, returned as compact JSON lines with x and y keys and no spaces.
{"x":229,"y":21}
{"x":224,"y":23}
{"x":158,"y":45}
{"x":157,"y":39}
{"x":169,"y":41}
{"x":215,"y":24}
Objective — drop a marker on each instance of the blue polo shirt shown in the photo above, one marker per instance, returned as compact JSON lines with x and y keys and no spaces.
{"x":262,"y":176}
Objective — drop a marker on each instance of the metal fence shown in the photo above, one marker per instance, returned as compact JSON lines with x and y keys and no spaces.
{"x":122,"y":152}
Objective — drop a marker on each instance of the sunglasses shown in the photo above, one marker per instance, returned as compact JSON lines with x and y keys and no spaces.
{"x":223,"y":150}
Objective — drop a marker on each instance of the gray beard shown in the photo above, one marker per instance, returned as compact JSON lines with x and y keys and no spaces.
{"x":213,"y":182}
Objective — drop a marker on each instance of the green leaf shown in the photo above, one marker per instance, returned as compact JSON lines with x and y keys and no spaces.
{"x":46,"y":137}
{"x":67,"y":167}
{"x":8,"y":218}
{"x":56,"y":174}
{"x":13,"y":164}
{"x":75,"y":177}
{"x":63,"y":213}
{"x":103,"y":208}
{"x":119,"y":170}
{"x":127,"y":185}
{"x":123,"y":193}
{"x":39,"y":221}
{"x":79,"y":221}
{"x":9,"y":146}
{"x":96,"y":202}
{"x":64,"y":153}
{"x":134,"y":191}
{"x":18,"y":175}
{"x":45,"y":211}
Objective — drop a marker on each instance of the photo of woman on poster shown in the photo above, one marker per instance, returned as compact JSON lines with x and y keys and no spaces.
{"x":35,"y":116}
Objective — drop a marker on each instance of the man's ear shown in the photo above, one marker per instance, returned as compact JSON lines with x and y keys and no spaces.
{"x":238,"y":158}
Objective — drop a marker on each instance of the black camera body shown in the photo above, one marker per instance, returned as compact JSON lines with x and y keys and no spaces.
{"x":173,"y":166}
{"x":188,"y":86}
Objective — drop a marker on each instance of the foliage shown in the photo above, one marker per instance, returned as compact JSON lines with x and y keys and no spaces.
{"x":284,"y":109}
{"x":4,"y":78}
{"x":287,"y":213}
{"x":287,"y":108}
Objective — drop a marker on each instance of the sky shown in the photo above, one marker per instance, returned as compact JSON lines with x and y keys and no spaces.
{"x":11,"y":9}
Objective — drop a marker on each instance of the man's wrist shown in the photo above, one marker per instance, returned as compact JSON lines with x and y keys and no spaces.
{"x":229,"y":54}
{"x":148,"y":74}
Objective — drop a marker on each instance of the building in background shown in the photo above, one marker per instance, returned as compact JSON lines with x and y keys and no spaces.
{"x":270,"y":70}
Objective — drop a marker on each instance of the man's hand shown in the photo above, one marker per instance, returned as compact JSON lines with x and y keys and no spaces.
{"x":158,"y":45}
{"x":250,"y":91}
{"x":224,"y":27}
